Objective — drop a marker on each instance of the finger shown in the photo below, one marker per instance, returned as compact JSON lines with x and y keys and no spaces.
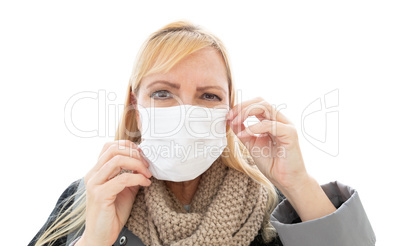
{"x":237,"y":108}
{"x":237,"y":128}
{"x":261,"y":109}
{"x":275,"y":114}
{"x":122,"y":143}
{"x":114,"y":166}
{"x":117,"y":184}
{"x":275,"y":128}
{"x":115,"y":150}
{"x":247,"y":140}
{"x":256,"y":109}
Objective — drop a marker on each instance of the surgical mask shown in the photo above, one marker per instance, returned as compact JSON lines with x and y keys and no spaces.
{"x":181,"y":142}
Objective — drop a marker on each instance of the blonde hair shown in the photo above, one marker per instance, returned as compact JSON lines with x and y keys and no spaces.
{"x":159,"y":53}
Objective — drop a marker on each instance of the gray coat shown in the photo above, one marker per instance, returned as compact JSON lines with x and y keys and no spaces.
{"x":348,"y":225}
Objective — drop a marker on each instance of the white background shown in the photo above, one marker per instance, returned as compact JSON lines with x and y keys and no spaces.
{"x":289,"y":52}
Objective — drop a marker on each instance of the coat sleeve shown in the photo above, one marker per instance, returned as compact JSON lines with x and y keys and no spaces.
{"x":71,"y":189}
{"x":348,"y":225}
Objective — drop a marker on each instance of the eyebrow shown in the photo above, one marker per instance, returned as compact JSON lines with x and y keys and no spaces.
{"x":177,"y":86}
{"x":203,"y":88}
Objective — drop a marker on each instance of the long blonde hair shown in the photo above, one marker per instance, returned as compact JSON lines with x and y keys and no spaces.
{"x":159,"y":53}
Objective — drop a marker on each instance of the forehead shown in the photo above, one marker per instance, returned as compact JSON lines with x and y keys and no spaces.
{"x":205,"y":66}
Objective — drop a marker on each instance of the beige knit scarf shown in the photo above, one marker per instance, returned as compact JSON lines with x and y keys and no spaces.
{"x":227,"y":209}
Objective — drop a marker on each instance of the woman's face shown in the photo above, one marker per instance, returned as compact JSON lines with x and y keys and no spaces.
{"x":198,"y":79}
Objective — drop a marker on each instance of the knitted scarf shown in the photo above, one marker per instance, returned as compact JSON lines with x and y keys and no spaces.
{"x":227,"y":209}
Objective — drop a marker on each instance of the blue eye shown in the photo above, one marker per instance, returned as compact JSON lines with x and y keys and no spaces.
{"x":162,"y":94}
{"x":211,"y":97}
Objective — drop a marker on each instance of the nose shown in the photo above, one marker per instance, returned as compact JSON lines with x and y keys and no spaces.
{"x":186,"y":95}
{"x":187,"y":99}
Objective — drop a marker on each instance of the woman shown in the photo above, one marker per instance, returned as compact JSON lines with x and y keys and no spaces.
{"x":256,"y":191}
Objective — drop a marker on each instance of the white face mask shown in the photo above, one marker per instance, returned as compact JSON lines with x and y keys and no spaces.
{"x":181,"y":142}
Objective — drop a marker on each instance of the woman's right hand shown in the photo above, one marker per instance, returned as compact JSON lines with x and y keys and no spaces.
{"x":109,"y":198}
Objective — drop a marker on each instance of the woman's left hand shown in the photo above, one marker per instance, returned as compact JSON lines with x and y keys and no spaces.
{"x":276,"y":149}
{"x":277,"y":154}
